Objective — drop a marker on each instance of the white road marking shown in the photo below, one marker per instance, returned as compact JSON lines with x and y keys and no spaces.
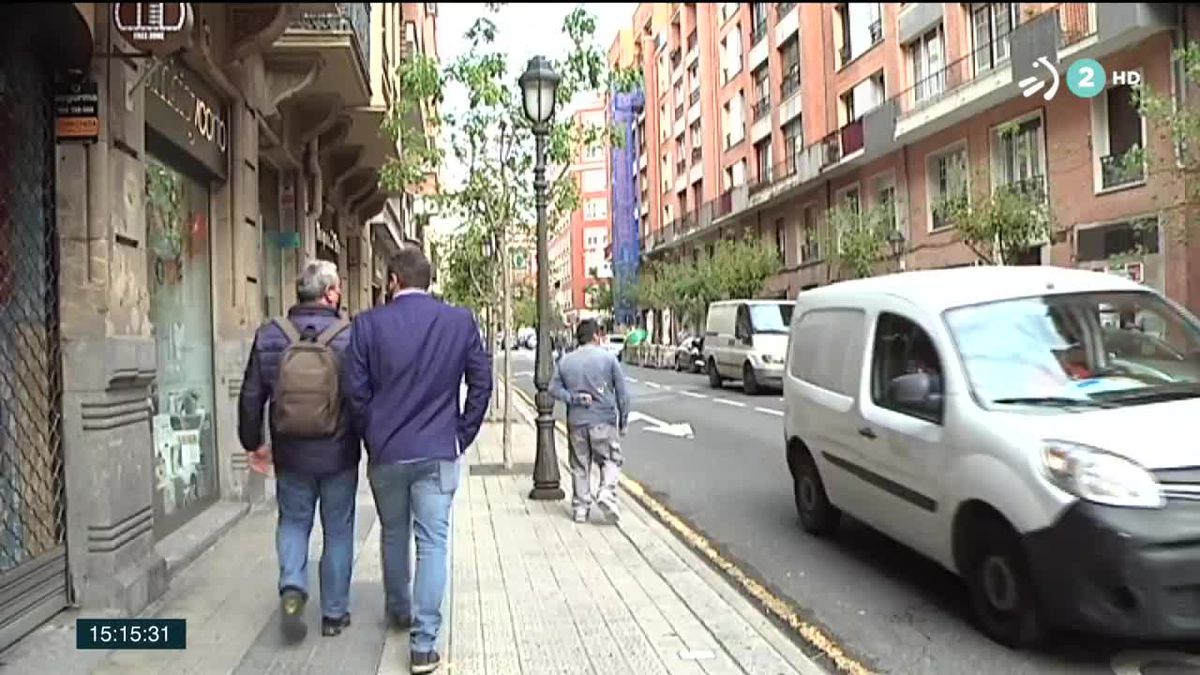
{"x":735,"y":404}
{"x":770,"y":411}
{"x":692,"y":394}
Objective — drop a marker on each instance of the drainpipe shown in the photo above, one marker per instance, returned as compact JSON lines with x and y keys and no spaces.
{"x":98,"y":189}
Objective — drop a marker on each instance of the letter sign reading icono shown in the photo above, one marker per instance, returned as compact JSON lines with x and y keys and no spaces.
{"x":161,"y":28}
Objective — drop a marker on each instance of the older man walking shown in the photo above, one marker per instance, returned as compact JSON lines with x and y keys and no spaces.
{"x":295,"y":366}
{"x":407,"y":362}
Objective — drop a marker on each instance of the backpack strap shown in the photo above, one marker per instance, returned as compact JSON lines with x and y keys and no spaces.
{"x":332,"y":332}
{"x":289,"y":329}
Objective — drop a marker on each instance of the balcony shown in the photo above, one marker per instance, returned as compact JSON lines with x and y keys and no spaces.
{"x":340,"y":39}
{"x":1116,"y":171}
{"x":983,"y":78}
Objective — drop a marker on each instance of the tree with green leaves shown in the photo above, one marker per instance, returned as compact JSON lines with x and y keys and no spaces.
{"x":1172,"y":156}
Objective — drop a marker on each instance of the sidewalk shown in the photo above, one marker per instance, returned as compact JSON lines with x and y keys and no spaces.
{"x":531,"y":593}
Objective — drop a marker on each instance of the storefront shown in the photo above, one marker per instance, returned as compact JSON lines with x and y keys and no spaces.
{"x":187,"y":158}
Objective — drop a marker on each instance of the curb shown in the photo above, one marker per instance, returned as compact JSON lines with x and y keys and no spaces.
{"x":777,"y":608}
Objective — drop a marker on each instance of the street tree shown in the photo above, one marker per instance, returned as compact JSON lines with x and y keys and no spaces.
{"x":855,"y":239}
{"x":1171,"y":157}
{"x":492,"y":141}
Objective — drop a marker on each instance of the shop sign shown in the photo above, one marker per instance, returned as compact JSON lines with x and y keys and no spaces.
{"x":160,"y":28}
{"x":286,"y":240}
{"x":187,"y":111}
{"x":329,"y":240}
{"x":77,"y":110}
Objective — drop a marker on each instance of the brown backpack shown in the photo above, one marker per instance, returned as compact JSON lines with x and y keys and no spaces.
{"x":307,"y":401}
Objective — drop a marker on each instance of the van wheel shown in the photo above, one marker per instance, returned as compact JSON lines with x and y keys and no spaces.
{"x":749,"y":381}
{"x":1000,"y":585}
{"x":817,"y":515}
{"x":714,"y":377}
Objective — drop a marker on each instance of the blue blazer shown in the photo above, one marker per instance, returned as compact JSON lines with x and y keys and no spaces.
{"x":405,"y":367}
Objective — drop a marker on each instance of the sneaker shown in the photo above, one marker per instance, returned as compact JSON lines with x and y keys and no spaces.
{"x":424,"y":662}
{"x":608,"y":507}
{"x":580,"y":515}
{"x":334,"y":627}
{"x":291,"y":609}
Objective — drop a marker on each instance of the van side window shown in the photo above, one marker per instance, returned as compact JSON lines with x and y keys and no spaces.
{"x":742,"y":328}
{"x":906,"y":372}
{"x":827,"y":349}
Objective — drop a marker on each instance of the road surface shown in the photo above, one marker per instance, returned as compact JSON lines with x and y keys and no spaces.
{"x":890,"y":608}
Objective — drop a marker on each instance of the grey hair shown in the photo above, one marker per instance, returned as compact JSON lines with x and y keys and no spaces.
{"x":317,"y":278}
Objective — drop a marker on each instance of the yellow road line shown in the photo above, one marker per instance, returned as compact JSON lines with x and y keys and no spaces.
{"x":773,"y":604}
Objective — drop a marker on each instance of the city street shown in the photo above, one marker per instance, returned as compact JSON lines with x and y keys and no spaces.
{"x":888,"y":607}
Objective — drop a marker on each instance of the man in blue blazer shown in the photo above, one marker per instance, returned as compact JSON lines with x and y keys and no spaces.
{"x":405,"y":368}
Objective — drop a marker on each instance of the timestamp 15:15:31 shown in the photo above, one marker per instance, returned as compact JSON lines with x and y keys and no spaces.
{"x":128,"y":634}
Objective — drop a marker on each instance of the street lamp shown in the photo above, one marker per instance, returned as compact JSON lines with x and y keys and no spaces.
{"x":895,"y":239}
{"x":539,"y":89}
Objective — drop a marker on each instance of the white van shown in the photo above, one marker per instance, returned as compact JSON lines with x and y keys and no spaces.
{"x":747,"y":340}
{"x":1029,"y":428}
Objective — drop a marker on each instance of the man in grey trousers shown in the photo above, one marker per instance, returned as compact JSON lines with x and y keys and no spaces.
{"x":590,"y":382}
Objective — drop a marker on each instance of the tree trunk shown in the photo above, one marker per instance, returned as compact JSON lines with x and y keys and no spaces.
{"x":506,"y":282}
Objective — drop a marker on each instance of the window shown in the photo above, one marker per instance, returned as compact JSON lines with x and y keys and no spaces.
{"x":991,"y":26}
{"x":1018,"y":157}
{"x":762,"y":90}
{"x":595,"y":209}
{"x":1118,"y":127}
{"x":595,"y":180}
{"x":1096,"y":244}
{"x":758,"y":22}
{"x":762,"y":160}
{"x":827,"y":349}
{"x":927,"y":58}
{"x":793,"y":143}
{"x":810,"y":250}
{"x":731,"y":61}
{"x":947,"y":180}
{"x":903,"y":356}
{"x":885,"y":199}
{"x":789,"y":54}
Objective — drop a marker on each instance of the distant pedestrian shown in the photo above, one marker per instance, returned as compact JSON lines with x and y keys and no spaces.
{"x":296,"y":366}
{"x":406,"y":367}
{"x":590,"y":382}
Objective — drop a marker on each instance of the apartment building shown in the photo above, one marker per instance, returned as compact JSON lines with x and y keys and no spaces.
{"x":901,"y":105}
{"x":586,"y":232}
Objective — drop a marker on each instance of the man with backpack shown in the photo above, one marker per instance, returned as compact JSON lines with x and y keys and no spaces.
{"x":296,"y":368}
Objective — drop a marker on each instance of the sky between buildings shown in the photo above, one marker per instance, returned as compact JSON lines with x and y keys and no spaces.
{"x":523,"y":30}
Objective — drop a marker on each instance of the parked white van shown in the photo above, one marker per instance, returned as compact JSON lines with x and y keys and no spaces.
{"x":1029,"y":428}
{"x":747,"y":340}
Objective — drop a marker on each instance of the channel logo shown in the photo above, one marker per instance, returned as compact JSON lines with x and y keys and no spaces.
{"x":1086,"y":78}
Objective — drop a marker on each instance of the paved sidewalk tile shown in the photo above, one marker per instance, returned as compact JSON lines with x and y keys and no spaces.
{"x":536,"y":593}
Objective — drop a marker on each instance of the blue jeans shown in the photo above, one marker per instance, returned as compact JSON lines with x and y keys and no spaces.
{"x":297,"y":495}
{"x":416,"y":494}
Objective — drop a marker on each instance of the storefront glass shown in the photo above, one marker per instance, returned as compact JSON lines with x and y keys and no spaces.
{"x":180,"y":274}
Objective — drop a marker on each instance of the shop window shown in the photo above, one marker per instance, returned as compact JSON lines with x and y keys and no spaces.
{"x":180,"y":273}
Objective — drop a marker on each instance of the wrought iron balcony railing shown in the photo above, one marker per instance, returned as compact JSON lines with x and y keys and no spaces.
{"x":350,"y":17}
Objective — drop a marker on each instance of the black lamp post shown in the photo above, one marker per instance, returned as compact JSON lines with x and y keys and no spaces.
{"x":539,"y":89}
{"x":895,"y":239}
